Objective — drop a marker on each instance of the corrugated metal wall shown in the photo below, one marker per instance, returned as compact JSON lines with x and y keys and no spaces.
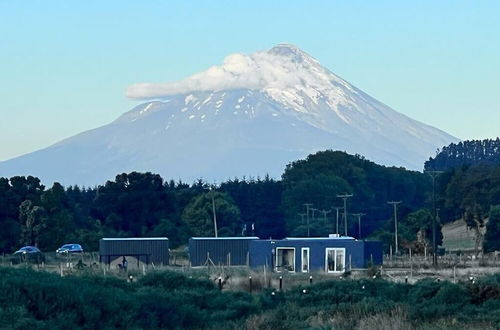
{"x":373,"y":252}
{"x":357,"y":253}
{"x":221,"y":250}
{"x":261,"y":253}
{"x":145,"y":250}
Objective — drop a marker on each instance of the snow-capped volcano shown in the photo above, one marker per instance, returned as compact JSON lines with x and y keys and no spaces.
{"x":285,"y":74}
{"x":249,"y":116}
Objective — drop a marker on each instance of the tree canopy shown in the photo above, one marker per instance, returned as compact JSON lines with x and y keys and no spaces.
{"x":143,"y":204}
{"x":472,"y":152}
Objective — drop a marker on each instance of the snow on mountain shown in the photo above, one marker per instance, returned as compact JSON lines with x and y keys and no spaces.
{"x":250,"y":116}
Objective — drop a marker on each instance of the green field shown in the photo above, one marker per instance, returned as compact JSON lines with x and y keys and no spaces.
{"x":458,"y":237}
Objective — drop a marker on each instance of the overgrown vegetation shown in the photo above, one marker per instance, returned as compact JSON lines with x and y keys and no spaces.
{"x":472,"y":193}
{"x":171,"y":300}
{"x":491,"y":239}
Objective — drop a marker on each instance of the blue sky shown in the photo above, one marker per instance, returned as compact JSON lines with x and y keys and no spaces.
{"x":65,"y":65}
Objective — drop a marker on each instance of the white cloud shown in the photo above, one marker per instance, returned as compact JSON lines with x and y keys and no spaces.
{"x":277,"y":68}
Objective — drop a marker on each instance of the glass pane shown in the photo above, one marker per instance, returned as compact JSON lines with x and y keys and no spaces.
{"x":340,"y":261}
{"x":331,"y":260}
{"x":286,"y":260}
{"x":305,"y":260}
{"x":279,"y":261}
{"x":290,"y":262}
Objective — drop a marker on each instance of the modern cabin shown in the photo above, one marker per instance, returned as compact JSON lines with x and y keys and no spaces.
{"x":329,"y":254}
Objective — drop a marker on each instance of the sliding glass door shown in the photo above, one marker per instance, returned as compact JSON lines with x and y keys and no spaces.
{"x":285,"y":259}
{"x":335,"y":260}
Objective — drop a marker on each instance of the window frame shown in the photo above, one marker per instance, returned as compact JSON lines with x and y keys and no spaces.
{"x":294,"y":256}
{"x":335,"y":260}
{"x":308,"y":249}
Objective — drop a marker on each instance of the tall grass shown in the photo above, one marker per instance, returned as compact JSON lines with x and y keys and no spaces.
{"x":172,"y":300}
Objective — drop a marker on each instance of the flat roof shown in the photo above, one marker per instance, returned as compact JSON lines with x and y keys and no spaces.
{"x":317,"y":238}
{"x":252,"y":238}
{"x":135,"y":239}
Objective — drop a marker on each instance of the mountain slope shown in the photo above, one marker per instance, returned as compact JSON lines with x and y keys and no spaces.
{"x":248,"y":117}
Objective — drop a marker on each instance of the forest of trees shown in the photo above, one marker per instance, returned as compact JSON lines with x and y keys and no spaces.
{"x":473,"y":152}
{"x":144,"y":204}
{"x":322,"y":176}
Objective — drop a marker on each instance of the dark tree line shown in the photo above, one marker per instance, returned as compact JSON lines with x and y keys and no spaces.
{"x":260,"y":205}
{"x":470,"y":182}
{"x":322,"y":176}
{"x":472,"y":193}
{"x":491,"y":238}
{"x":468,"y":192}
{"x":134,"y":204}
{"x":473,"y":152}
{"x":143,"y":204}
{"x":469,"y":187}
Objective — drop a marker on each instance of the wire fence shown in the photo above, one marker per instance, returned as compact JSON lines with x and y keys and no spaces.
{"x":443,"y":261}
{"x":397,"y":268}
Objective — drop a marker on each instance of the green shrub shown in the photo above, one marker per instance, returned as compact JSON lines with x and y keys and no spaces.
{"x":172,"y":300}
{"x":170,"y":280}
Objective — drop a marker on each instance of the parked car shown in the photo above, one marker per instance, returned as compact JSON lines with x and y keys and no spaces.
{"x":27,"y":253}
{"x":70,"y":248}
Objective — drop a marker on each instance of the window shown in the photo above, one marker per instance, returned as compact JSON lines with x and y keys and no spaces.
{"x":285,"y":259}
{"x":335,"y":260}
{"x":305,"y":260}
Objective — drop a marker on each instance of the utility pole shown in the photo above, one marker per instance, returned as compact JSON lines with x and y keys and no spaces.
{"x":337,"y":208}
{"x":212,"y":188}
{"x":345,"y":197}
{"x":325,"y":213}
{"x":395,"y":205}
{"x":433,"y":175}
{"x":308,"y":206}
{"x":313,"y":211}
{"x":359,"y":215}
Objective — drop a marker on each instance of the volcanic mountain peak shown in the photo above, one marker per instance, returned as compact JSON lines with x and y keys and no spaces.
{"x":249,"y":116}
{"x":283,"y":66}
{"x":285,"y":73}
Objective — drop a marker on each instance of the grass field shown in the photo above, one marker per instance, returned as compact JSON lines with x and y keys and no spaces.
{"x":457,"y":237}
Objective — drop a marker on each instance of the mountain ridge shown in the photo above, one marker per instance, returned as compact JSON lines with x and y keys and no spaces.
{"x":250,"y":116}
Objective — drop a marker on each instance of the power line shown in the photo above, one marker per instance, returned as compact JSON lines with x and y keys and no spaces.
{"x":212,"y":188}
{"x":345,"y":197}
{"x":325,"y":213}
{"x":302,"y":216}
{"x":308,"y":205}
{"x":337,"y":208}
{"x":313,"y":210}
{"x":359,"y":215}
{"x":395,"y":206}
{"x":433,"y":175}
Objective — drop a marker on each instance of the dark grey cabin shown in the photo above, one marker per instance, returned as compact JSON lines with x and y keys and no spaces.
{"x":148,"y":250}
{"x":210,"y":251}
